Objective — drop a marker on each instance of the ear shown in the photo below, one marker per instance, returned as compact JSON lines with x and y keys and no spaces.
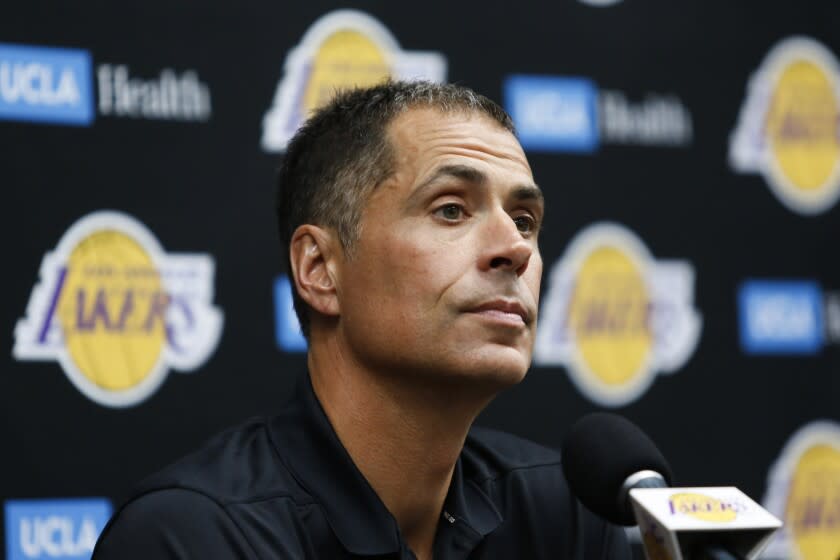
{"x":312,"y":252}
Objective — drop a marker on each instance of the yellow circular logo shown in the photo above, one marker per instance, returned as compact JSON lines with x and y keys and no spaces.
{"x":812,"y":512}
{"x":789,"y":128}
{"x":608,"y":316}
{"x":802,"y":127}
{"x":345,"y":59}
{"x":804,"y":491}
{"x":117,"y":312}
{"x":704,"y":508}
{"x":341,"y":50}
{"x":110,"y":310}
{"x":615,"y":316}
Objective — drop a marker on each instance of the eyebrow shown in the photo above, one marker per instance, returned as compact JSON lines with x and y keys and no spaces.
{"x":528,"y":192}
{"x":463,"y":172}
{"x":477,"y":177}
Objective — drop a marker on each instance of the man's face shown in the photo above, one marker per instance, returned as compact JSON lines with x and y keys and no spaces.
{"x":445,"y":276}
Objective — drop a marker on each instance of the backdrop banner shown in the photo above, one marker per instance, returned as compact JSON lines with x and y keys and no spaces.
{"x":689,"y":153}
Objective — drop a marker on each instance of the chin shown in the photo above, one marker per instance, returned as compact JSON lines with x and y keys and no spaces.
{"x":502,"y":366}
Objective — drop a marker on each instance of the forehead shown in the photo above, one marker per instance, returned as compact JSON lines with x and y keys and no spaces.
{"x":426,"y":137}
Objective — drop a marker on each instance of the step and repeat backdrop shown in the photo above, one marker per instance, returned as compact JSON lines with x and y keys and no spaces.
{"x":690,"y":157}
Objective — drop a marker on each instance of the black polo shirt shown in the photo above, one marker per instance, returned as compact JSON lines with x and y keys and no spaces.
{"x":285,"y":487}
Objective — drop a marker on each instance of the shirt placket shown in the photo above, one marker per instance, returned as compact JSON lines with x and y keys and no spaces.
{"x":456,"y":539}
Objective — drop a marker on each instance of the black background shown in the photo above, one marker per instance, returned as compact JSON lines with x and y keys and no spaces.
{"x":208,"y":187}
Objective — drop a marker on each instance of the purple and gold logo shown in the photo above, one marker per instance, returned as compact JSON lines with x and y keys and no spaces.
{"x":789,"y":126}
{"x":804,"y":490}
{"x":704,"y":507}
{"x":117,"y":312}
{"x":615,"y":316}
{"x":342,"y":49}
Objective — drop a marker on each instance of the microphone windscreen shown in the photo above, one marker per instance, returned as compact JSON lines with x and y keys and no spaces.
{"x":600,"y":451}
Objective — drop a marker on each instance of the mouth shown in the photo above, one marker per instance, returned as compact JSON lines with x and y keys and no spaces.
{"x":504,"y":311}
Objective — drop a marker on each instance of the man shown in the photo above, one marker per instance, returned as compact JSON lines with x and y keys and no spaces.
{"x":411,"y":220}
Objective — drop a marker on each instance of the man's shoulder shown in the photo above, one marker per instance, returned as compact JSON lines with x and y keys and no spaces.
{"x":237,"y":465}
{"x":171,"y":523}
{"x":188,"y":509}
{"x":492,"y":454}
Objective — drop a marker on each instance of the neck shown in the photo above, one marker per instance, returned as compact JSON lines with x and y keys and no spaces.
{"x":404,"y":431}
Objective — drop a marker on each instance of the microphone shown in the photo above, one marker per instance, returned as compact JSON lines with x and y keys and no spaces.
{"x":618,"y":473}
{"x":604,"y":457}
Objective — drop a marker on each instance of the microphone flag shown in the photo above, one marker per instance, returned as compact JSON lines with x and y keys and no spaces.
{"x":679,"y":523}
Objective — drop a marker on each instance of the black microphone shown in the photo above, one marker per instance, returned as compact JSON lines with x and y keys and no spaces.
{"x":604,"y":457}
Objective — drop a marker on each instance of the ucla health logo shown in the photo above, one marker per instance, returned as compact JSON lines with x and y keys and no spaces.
{"x":554,"y":113}
{"x":788,"y":126}
{"x":803,"y":489}
{"x":117,"y":312}
{"x":341,"y":50}
{"x":781,"y":317}
{"x":571,"y":114}
{"x":46,"y":84}
{"x":66,"y":528}
{"x":615,"y":317}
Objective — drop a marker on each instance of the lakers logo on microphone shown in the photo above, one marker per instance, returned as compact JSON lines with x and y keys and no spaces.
{"x":789,"y":127}
{"x":343,"y":49}
{"x":703,"y":507}
{"x":615,"y":317}
{"x":117,"y":312}
{"x":804,"y":490}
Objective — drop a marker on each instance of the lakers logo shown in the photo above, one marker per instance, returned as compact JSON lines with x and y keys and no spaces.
{"x":804,"y":489}
{"x":704,"y":508}
{"x":341,"y":50}
{"x":116,"y":311}
{"x":789,"y":128}
{"x":615,"y":317}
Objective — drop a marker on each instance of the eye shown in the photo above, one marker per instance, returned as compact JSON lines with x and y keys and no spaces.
{"x":450,"y":212}
{"x":525,"y":223}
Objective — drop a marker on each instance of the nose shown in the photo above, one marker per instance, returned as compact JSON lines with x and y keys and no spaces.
{"x":504,"y":246}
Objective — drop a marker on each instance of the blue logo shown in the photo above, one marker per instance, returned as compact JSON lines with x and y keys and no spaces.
{"x":286,"y":325}
{"x":781,"y":317}
{"x":554,"y":114}
{"x":66,"y":528}
{"x":44,"y":84}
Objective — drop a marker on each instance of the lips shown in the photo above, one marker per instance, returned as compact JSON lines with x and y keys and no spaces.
{"x":504,"y":310}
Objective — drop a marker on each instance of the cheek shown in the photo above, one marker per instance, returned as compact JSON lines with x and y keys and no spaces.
{"x":393,"y":304}
{"x":407,"y":297}
{"x":389,"y":280}
{"x":414,"y":272}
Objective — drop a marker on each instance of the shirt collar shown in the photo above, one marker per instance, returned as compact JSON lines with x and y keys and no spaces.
{"x":468,"y":503}
{"x":309,"y":447}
